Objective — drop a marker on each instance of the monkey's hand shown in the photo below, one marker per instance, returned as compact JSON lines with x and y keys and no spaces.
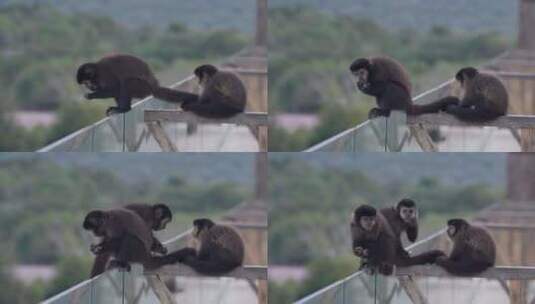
{"x":158,"y":248}
{"x":363,"y":85}
{"x":96,"y":249}
{"x":360,"y":252}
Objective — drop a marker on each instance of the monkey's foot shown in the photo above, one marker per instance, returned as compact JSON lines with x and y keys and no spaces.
{"x":119,"y":265}
{"x":377,"y":112}
{"x":386,"y":269}
{"x":115,"y":110}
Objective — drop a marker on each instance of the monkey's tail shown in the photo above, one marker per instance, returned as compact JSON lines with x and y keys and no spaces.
{"x":173,"y":96}
{"x":433,"y":107}
{"x":477,"y":115}
{"x":464,"y":268}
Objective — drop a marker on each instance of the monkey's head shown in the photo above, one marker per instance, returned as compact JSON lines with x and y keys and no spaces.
{"x":466,"y":74}
{"x":360,"y":69}
{"x":365,"y":216}
{"x":94,"y":222}
{"x":201,"y":225}
{"x":455,"y":226}
{"x":162,"y":216}
{"x":205,"y":72}
{"x":407,"y":211}
{"x":88,"y":76}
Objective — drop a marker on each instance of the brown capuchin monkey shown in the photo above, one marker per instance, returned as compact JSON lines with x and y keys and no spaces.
{"x":125,"y":236}
{"x":485,"y":97}
{"x":155,"y":217}
{"x":223,"y":94}
{"x":387,"y":80}
{"x":376,"y":244}
{"x":474,"y":250}
{"x":122,"y":77}
{"x":220,"y":249}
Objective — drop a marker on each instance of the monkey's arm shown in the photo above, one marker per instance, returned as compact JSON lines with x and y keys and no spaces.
{"x":412,"y":232}
{"x":157,"y":246}
{"x":375,"y":89}
{"x":107,"y":245}
{"x":458,"y":251}
{"x":99,"y":264}
{"x":474,"y":100}
{"x":123,"y":101}
{"x":100,"y":94}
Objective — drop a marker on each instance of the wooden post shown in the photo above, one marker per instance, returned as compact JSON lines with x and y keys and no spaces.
{"x":526,"y":22}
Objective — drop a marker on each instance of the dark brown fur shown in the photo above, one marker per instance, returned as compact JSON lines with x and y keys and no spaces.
{"x":389,"y":83}
{"x":384,"y":249}
{"x":120,"y":76}
{"x":474,"y":250}
{"x":155,"y":217}
{"x":125,"y":236}
{"x":398,"y":225}
{"x":220,"y":249}
{"x":223,"y":94}
{"x":485,"y":97}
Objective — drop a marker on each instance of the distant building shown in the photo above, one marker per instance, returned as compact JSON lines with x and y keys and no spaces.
{"x":28,"y":274}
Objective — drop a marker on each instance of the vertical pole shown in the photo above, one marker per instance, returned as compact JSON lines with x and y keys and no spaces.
{"x":261,"y":23}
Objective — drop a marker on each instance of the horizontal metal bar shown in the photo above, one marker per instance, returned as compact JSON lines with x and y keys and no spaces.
{"x":336,"y":137}
{"x":251,"y":272}
{"x":509,"y":121}
{"x":500,"y":272}
{"x":249,"y":118}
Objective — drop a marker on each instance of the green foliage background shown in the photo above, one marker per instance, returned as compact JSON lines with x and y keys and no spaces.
{"x":41,"y":47}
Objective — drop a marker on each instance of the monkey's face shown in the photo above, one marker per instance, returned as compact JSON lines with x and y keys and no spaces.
{"x":367,"y":222}
{"x":465,"y":75}
{"x":204,"y":73}
{"x":452,"y":230}
{"x":94,"y":222}
{"x":162,"y":216}
{"x":203,"y":79}
{"x":408,"y":214}
{"x":200,"y":226}
{"x":87,"y":76}
{"x":361,"y":78}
